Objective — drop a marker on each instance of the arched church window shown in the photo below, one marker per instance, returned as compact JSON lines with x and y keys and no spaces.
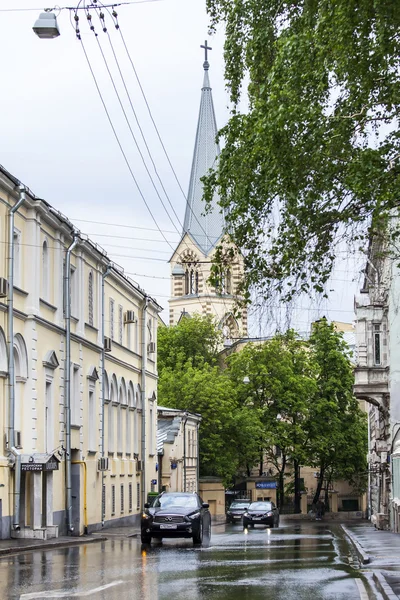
{"x":228,"y":283}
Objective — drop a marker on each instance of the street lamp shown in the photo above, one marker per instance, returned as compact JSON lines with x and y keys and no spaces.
{"x":46,"y":27}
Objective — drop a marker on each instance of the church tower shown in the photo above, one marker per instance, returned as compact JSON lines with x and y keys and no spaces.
{"x":202,"y":233}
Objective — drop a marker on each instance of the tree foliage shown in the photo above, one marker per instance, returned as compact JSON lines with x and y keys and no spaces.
{"x":317,"y":156}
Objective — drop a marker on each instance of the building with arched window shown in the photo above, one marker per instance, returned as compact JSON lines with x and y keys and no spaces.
{"x":112,"y":409}
{"x":203,"y":232}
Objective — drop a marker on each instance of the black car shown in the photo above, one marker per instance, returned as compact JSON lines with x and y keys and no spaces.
{"x":261,"y":513}
{"x":236,"y":510}
{"x":176,"y":515}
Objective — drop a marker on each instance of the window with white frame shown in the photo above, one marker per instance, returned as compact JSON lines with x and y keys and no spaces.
{"x":119,"y":429}
{"x":122,"y":498}
{"x":128,"y":336}
{"x":138,"y":496}
{"x":49,"y":428}
{"x":74,"y":292}
{"x":377,"y":343}
{"x":90,"y":298}
{"x":120,"y":324}
{"x":110,"y":428}
{"x":75,"y":404}
{"x":136,"y":334}
{"x":113,"y":500}
{"x":151,"y":431}
{"x":130,"y":497}
{"x":17,"y":257}
{"x":45,"y":271}
{"x":112,"y":305}
{"x":92,"y":420}
{"x":128,"y":429}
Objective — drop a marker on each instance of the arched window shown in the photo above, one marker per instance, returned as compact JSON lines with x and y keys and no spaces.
{"x":191,"y":281}
{"x":3,"y":354}
{"x":90,"y":298}
{"x":228,"y":282}
{"x":45,"y":271}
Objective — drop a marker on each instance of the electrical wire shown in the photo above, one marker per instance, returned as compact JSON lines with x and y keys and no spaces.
{"x":73,"y":8}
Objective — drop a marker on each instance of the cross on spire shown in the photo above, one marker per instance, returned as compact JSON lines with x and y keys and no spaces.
{"x":206,"y":48}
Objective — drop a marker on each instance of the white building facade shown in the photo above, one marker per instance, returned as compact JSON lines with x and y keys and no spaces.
{"x":377,"y":381}
{"x":78,"y":449}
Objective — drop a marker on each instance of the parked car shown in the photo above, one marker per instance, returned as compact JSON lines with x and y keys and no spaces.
{"x":235,"y":512}
{"x":176,"y":515}
{"x":261,"y":513}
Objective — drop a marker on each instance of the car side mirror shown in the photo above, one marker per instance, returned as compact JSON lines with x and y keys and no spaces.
{"x":147,"y":505}
{"x":205,"y":505}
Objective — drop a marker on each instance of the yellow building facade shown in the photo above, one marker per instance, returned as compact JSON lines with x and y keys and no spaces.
{"x":78,"y":450}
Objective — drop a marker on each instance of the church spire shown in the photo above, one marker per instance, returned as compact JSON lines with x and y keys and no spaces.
{"x":204,"y":229}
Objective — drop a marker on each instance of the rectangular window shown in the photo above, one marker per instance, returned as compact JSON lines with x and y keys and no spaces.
{"x":377,"y":341}
{"x":119,"y":430}
{"x":74,"y":292}
{"x":138,"y":496}
{"x":103,"y":499}
{"x":49,"y":419}
{"x":111,"y":318}
{"x":151,"y":432}
{"x":17,"y":257}
{"x":136,"y":333}
{"x":92,"y":421}
{"x":128,"y":336}
{"x":122,"y":499}
{"x":120,"y":324}
{"x":75,"y":404}
{"x":112,"y":500}
{"x":130,"y":497}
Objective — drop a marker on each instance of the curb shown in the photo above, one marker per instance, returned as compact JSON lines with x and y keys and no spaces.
{"x":50,"y":545}
{"x":384,"y":587}
{"x":365,"y":558}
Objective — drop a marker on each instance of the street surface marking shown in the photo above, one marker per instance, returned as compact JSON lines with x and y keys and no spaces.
{"x":68,"y":594}
{"x":361,"y":589}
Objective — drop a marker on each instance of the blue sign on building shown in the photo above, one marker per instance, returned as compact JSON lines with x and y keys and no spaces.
{"x":266,"y":485}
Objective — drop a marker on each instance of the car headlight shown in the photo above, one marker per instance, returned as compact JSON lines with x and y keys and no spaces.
{"x":194,"y":515}
{"x":228,"y":512}
{"x":145,"y":516}
{"x":246,"y":514}
{"x":269,"y":514}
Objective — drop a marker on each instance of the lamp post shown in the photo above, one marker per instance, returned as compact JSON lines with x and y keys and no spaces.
{"x":46,"y":27}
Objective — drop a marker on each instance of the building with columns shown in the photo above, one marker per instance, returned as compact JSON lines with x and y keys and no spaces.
{"x":202,"y":233}
{"x":78,"y":377}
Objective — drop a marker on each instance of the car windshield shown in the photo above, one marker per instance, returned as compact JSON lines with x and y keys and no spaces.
{"x":239,"y":505}
{"x":170,"y":501}
{"x":260,"y":506}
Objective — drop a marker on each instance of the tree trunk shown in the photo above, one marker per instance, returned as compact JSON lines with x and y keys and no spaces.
{"x":319,"y":487}
{"x":261,"y":470}
{"x":297,"y":496}
{"x":281,"y":484}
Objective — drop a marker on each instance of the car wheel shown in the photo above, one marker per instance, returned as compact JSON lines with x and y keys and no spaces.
{"x":198,"y":537}
{"x":146,"y":539}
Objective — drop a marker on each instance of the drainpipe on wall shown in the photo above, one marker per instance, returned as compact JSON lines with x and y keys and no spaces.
{"x":143,"y":392}
{"x":11,"y":373}
{"x":67,"y":375}
{"x":185,"y":418}
{"x":103,"y":371}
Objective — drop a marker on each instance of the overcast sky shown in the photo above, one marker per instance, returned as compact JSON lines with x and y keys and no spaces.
{"x":55,"y":136}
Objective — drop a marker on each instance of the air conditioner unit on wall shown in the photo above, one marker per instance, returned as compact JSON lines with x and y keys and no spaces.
{"x":129,"y":316}
{"x":107,"y":344}
{"x":151,"y":347}
{"x":3,"y":287}
{"x":139,"y":466}
{"x":102,"y":464}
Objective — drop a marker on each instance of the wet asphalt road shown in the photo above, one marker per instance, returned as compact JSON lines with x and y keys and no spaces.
{"x":304,"y":561}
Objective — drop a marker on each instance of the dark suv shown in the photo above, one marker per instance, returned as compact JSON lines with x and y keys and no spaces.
{"x":175,"y":515}
{"x":235,"y":512}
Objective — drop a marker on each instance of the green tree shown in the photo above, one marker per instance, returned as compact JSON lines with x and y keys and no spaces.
{"x":337,"y":427}
{"x":195,"y":339}
{"x":279,"y":384}
{"x":317,"y":156}
{"x":189,"y":379}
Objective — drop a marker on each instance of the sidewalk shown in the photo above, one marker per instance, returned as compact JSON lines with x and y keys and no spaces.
{"x":27,"y":545}
{"x":380,"y":551}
